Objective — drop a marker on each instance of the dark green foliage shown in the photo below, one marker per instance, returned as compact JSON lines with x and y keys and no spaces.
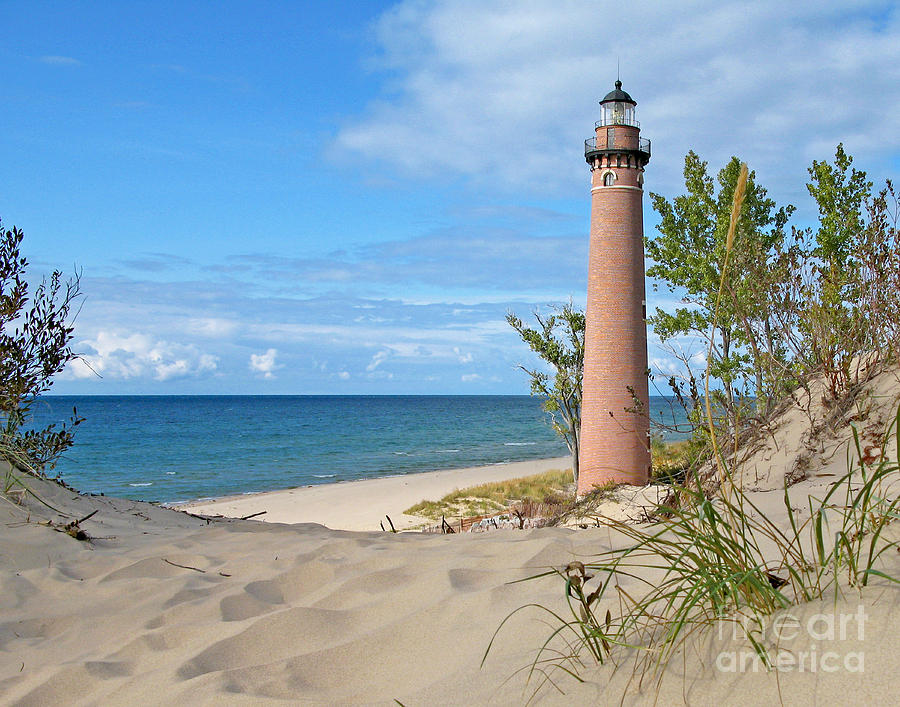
{"x":35,"y":336}
{"x":559,"y":341}
{"x":841,"y":193}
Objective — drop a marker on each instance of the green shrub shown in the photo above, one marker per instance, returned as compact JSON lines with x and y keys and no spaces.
{"x":35,"y":337}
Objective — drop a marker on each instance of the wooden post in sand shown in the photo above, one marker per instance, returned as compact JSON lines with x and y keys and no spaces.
{"x":615,"y":444}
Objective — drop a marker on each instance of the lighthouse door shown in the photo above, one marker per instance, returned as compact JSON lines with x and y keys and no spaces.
{"x":610,"y":138}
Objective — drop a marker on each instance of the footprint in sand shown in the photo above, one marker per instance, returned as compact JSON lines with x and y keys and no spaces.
{"x":108,"y":669}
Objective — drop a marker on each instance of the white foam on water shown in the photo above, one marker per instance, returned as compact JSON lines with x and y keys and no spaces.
{"x":145,"y":483}
{"x":518,"y":444}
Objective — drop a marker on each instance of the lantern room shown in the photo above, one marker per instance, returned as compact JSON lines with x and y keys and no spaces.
{"x":617,"y":108}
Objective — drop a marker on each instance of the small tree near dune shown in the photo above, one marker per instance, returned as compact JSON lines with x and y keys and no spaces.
{"x":748,"y":357}
{"x":559,"y":340}
{"x":35,"y":337}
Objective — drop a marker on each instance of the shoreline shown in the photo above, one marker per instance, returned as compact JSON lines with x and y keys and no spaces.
{"x":145,"y":604}
{"x":362,"y":504}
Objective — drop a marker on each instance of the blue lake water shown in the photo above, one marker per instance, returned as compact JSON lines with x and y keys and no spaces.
{"x":176,"y":448}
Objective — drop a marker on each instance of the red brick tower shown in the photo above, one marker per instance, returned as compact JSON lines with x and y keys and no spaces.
{"x":615,"y":443}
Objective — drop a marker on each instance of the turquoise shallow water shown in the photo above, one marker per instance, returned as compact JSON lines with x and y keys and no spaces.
{"x":176,"y":448}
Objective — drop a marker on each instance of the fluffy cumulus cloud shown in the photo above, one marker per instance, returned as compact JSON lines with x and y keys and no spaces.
{"x":124,"y":356}
{"x":265,"y":363}
{"x":505,"y":92}
{"x":203,"y":338}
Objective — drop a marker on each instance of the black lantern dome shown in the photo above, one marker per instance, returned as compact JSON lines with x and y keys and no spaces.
{"x":617,"y":108}
{"x":618,"y":95}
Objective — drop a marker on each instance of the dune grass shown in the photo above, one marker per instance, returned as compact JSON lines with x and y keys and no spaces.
{"x":717,"y":558}
{"x":671,"y":460}
{"x":14,"y":462}
{"x":496,"y":497}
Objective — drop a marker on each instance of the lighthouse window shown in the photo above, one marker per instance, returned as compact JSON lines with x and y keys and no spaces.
{"x":609,"y":179}
{"x":618,"y":113}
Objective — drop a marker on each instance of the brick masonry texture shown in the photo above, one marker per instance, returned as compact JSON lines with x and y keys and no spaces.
{"x":615,"y":443}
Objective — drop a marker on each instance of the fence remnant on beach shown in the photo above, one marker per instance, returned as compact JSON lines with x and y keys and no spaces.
{"x":536,"y":515}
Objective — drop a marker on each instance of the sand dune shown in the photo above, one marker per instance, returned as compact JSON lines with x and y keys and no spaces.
{"x":164,"y":608}
{"x":295,"y":613}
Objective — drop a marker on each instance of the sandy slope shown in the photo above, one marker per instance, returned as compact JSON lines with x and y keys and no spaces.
{"x":295,"y":613}
{"x":302,"y":614}
{"x":812,"y":437}
{"x":264,"y":612}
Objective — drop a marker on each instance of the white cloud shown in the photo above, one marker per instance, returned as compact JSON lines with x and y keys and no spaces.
{"x":213,"y":328}
{"x":78,"y":369}
{"x":470,"y":377}
{"x":265,"y":363}
{"x":396,"y":349}
{"x":463,"y":357}
{"x":130,"y":356}
{"x":57,"y":60}
{"x":378,"y":359}
{"x":677,"y":356}
{"x":665,"y":365}
{"x":504,"y":93}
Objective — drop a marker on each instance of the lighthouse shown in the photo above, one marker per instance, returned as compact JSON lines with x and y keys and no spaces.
{"x":615,"y":423}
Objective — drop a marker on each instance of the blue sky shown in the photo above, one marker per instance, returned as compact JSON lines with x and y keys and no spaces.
{"x":346,"y":197}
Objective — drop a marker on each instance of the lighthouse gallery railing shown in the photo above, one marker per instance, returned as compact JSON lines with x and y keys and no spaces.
{"x":590,"y":145}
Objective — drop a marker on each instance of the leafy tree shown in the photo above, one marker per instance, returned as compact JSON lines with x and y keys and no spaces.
{"x":818,"y":302}
{"x":841,"y":193}
{"x":687,"y":256}
{"x":559,"y":340}
{"x":850,"y":299}
{"x":35,"y":337}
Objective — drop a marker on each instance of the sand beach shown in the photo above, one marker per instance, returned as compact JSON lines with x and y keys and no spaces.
{"x":161,"y":607}
{"x":363,"y":505}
